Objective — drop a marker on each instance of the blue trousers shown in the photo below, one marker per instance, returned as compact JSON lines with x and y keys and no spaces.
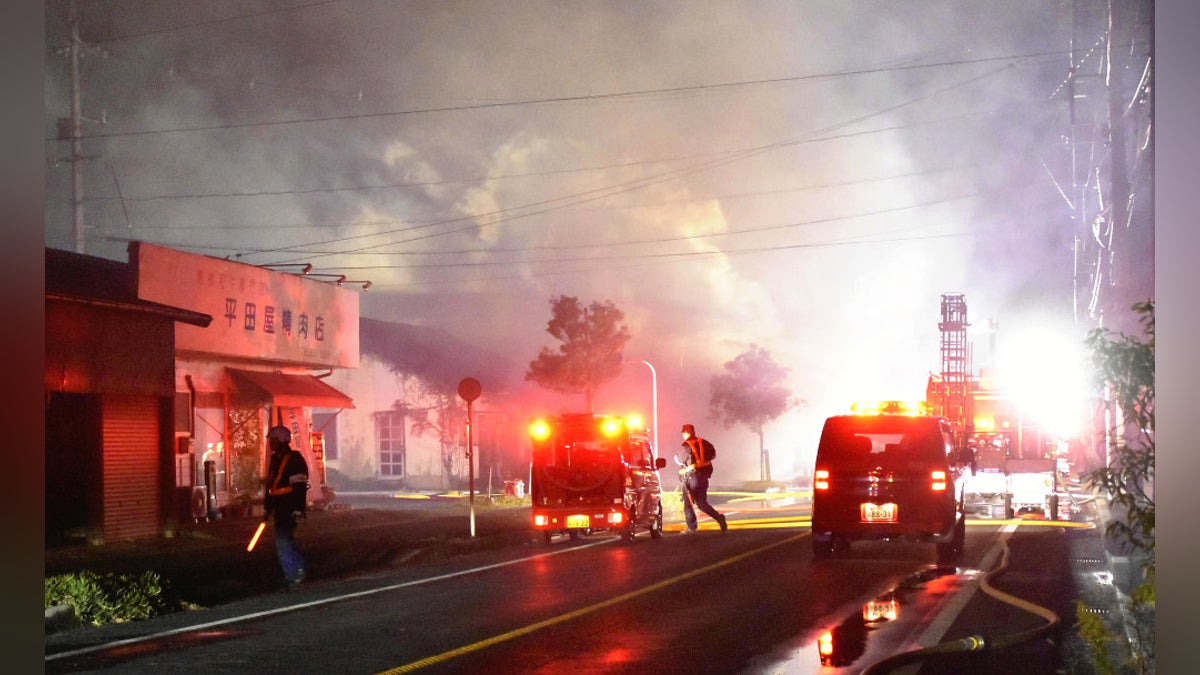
{"x":695,"y":496}
{"x":290,"y":558}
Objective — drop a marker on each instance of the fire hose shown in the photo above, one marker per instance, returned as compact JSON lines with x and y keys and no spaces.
{"x":979,"y":643}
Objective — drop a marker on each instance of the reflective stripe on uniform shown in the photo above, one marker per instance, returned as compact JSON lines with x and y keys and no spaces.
{"x":696,"y":446}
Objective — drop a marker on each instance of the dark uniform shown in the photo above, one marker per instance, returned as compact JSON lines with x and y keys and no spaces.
{"x":287,"y":498}
{"x":696,"y":459}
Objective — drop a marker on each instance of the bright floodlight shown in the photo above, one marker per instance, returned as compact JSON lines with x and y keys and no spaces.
{"x":1048,"y":378}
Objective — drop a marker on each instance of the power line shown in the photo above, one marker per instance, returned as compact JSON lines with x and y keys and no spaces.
{"x":566,"y":99}
{"x":704,"y":198}
{"x":643,"y":261}
{"x":558,"y":203}
{"x":661,"y":240}
{"x":490,"y":178}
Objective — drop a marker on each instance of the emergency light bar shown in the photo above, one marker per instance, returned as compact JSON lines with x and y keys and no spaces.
{"x":539,"y":430}
{"x":911,"y":408}
{"x":611,"y":426}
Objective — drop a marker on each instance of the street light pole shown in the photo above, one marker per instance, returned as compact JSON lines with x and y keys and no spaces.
{"x":654,"y":387}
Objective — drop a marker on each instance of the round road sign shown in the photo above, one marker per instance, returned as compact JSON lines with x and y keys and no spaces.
{"x":469,"y":389}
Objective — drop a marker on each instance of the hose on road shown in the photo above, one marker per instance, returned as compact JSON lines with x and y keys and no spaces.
{"x":977,"y":643}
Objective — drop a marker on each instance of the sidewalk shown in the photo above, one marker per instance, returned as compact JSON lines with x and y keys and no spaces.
{"x":207,"y":563}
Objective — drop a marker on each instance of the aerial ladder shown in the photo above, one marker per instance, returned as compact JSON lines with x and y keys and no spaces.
{"x":955,"y":395}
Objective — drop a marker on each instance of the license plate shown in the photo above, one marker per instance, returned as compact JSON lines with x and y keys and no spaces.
{"x":878,"y":610}
{"x":879,"y":513}
{"x":579,"y":521}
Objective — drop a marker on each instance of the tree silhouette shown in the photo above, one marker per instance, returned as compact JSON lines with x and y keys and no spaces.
{"x":749,"y":392}
{"x":1124,"y":379}
{"x":434,"y":409}
{"x":589,"y":355}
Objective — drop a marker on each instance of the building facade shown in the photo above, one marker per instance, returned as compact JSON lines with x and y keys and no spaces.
{"x":408,"y":427}
{"x":274,"y":338}
{"x":110,"y":403}
{"x":163,"y":375}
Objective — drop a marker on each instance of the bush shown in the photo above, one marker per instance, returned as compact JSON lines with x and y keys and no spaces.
{"x":100,"y":599}
{"x":1124,"y":377}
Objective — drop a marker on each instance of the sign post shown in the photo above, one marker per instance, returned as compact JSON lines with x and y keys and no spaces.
{"x":469,"y":389}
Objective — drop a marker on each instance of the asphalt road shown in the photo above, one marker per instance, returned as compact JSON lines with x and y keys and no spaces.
{"x":772,"y":608}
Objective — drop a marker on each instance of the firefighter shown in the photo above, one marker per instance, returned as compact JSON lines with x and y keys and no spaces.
{"x":286,"y":497}
{"x":696,"y":458}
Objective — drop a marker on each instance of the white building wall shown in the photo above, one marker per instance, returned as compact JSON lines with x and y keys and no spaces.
{"x":375,"y":388}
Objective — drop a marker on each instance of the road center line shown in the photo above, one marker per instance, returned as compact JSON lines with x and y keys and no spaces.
{"x":561,"y":618}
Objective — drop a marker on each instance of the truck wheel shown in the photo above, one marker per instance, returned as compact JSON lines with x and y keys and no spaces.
{"x":949,"y":552}
{"x":945,"y":553}
{"x":1008,"y":508}
{"x":1053,"y":510}
{"x":548,"y":538}
{"x":656,"y":524}
{"x":573,"y":534}
{"x":822,"y":548}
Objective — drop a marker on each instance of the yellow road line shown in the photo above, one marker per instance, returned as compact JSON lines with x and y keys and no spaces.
{"x":531,"y":628}
{"x":806,"y":521}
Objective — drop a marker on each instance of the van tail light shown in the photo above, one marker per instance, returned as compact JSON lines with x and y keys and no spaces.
{"x":825,"y":644}
{"x":821,"y":480}
{"x":937,"y":481}
{"x":616,"y":518}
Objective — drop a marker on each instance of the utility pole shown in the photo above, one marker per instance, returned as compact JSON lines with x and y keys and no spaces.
{"x":72,"y":128}
{"x":76,"y":132}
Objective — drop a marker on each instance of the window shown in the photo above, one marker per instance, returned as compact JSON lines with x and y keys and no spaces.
{"x":389,"y":429}
{"x":326,"y":423}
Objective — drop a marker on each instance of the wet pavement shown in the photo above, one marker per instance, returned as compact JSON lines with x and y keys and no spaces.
{"x":207,"y":564}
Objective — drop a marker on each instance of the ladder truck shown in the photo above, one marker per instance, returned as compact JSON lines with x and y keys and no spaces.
{"x":1008,"y":474}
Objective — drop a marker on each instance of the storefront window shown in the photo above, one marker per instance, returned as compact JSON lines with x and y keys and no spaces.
{"x":246,"y":460}
{"x":210,"y":447}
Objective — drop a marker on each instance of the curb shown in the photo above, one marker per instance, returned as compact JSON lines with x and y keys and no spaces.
{"x":1118,"y":567}
{"x":59,"y":616}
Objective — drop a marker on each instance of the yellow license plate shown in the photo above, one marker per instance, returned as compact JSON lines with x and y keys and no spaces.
{"x":879,"y":513}
{"x":579,"y":521}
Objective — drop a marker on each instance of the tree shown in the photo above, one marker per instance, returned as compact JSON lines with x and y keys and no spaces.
{"x":592,"y":338}
{"x":750,"y":392}
{"x":1124,"y":376}
{"x":433,"y":409}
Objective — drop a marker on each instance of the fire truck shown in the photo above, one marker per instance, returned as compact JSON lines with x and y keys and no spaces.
{"x":1011,"y":473}
{"x":1013,"y":470}
{"x":594,"y":473}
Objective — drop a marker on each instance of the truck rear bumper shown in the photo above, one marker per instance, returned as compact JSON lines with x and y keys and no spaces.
{"x":560,"y":519}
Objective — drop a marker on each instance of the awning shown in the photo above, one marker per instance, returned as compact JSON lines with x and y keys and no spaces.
{"x":289,"y":390}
